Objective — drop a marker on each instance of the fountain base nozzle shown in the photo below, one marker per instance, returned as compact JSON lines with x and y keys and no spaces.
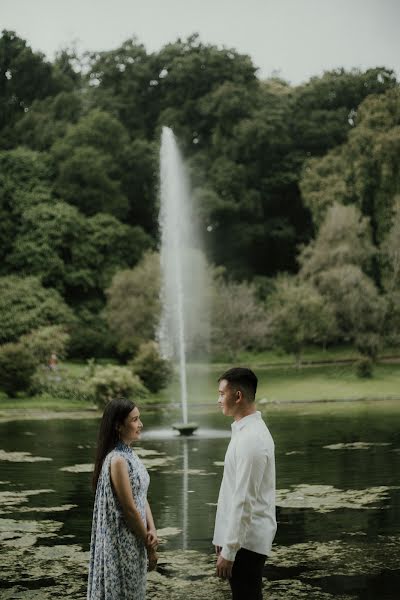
{"x":185,"y":428}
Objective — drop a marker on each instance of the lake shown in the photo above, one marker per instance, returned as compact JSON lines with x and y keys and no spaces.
{"x":338,"y":503}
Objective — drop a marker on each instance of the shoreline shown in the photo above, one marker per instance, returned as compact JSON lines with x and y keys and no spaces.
{"x":23,"y":414}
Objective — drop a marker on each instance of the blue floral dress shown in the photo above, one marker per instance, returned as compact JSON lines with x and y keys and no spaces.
{"x":118,"y":559}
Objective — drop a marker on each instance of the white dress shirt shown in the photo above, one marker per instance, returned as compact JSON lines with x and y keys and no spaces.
{"x":246,"y":503}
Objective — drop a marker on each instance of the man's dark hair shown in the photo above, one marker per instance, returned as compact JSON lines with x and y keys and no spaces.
{"x":242,"y":379}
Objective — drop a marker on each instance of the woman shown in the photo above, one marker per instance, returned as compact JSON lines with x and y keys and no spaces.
{"x":123,"y":532}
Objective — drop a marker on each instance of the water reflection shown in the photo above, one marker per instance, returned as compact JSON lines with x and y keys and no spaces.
{"x":185,"y":494}
{"x":338,"y":496}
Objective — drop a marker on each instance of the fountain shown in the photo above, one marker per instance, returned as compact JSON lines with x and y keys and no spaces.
{"x":183,"y":270}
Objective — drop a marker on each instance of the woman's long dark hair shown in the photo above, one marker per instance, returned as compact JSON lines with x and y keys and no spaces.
{"x":114,"y":414}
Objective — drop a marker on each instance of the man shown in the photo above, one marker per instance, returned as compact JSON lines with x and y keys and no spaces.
{"x":245,"y":523}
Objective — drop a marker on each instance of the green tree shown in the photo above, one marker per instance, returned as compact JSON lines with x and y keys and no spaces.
{"x":254,"y":198}
{"x":299,"y":315}
{"x":365,"y":170}
{"x":325,"y":108}
{"x":90,"y":334}
{"x":133,"y":304}
{"x":24,"y":182}
{"x":111,"y":245}
{"x":47,"y":120}
{"x":68,"y":69}
{"x":343,"y":238}
{"x":335,"y":263}
{"x":390,"y":264}
{"x":76,"y":255}
{"x":46,"y":244}
{"x":324,"y":182}
{"x":185,"y":72}
{"x":120,"y":82}
{"x":25,"y":76}
{"x":139,"y":184}
{"x":25,"y":305}
{"x":238,"y":319}
{"x":88,"y":160}
{"x":358,"y":307}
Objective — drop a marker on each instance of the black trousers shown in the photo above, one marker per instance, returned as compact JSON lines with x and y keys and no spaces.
{"x":246,"y":580}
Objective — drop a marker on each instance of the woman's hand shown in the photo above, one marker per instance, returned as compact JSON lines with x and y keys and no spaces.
{"x":152,"y":557}
{"x":152,"y":540}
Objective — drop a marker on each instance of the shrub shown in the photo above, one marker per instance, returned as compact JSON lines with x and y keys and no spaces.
{"x":153,"y":370}
{"x":45,"y":341}
{"x":364,"y":367}
{"x":112,"y":381}
{"x":61,"y":385}
{"x":17,"y":366}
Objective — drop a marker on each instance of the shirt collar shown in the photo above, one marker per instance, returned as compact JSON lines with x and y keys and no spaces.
{"x":238,"y":425}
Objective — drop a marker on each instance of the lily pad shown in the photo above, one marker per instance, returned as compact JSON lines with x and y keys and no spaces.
{"x":22,"y":457}
{"x":147,"y":452}
{"x":189,"y":573}
{"x":45,"y":509}
{"x":325,"y":498}
{"x":10,"y":500}
{"x":159,"y":461}
{"x":355,"y":445}
{"x":190,"y":472}
{"x":80,"y":468}
{"x":168,"y":532}
{"x":339,"y":557}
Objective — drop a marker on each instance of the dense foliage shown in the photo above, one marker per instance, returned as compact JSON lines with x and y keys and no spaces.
{"x":301,"y":180}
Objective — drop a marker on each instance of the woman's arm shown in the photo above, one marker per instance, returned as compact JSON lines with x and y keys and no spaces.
{"x":123,"y":490}
{"x":149,"y":517}
{"x":152,"y":538}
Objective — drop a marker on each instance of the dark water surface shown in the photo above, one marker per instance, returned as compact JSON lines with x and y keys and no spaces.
{"x":338,"y":468}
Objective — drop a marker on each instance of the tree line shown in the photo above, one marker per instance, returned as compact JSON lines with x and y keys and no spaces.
{"x":296,"y":189}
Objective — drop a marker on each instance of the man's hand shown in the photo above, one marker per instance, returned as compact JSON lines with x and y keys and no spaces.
{"x":152,"y":557}
{"x":152,"y":540}
{"x":224,"y":567}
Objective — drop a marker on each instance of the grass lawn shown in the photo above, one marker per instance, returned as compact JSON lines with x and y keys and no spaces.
{"x":330,"y":382}
{"x":277,"y":383}
{"x":310,"y":354}
{"x":285,"y":384}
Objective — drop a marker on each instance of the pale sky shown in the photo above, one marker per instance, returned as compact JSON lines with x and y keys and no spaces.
{"x":297,"y":38}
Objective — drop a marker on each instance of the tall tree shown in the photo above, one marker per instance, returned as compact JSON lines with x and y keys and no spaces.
{"x":299,"y":315}
{"x":75,"y":255}
{"x":25,"y":181}
{"x":335,"y":262}
{"x":365,"y":170}
{"x":88,"y":160}
{"x":325,"y":108}
{"x":24,"y":77}
{"x":47,"y":120}
{"x":133,"y":304}
{"x":120,"y":83}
